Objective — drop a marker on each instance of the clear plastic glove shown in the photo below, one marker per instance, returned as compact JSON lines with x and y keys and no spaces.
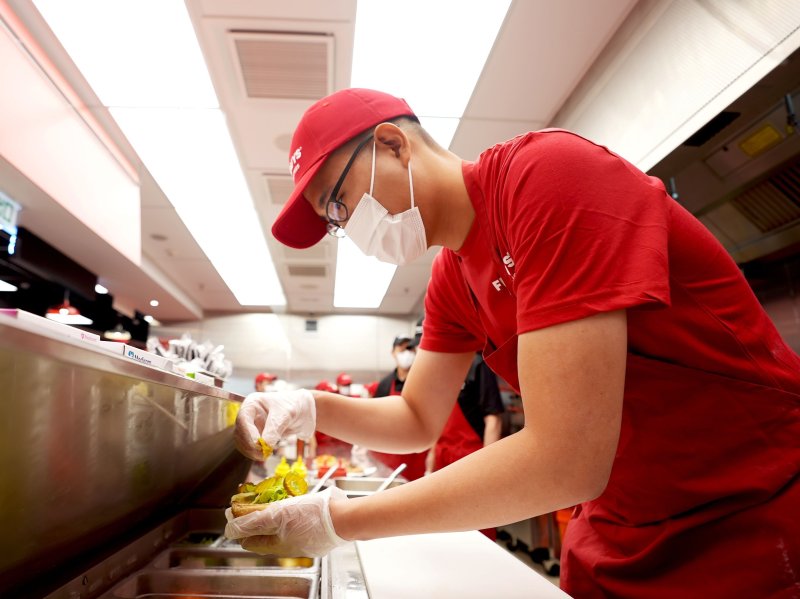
{"x":294,"y":527}
{"x":273,"y":416}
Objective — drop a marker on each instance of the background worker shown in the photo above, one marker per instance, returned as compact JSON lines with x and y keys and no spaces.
{"x":475,"y":421}
{"x":344,"y":383}
{"x":657,"y":393}
{"x":264,"y":381}
{"x":403,"y":351}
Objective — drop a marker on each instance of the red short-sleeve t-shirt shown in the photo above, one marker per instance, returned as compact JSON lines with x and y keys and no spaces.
{"x":565,"y":229}
{"x":587,"y":232}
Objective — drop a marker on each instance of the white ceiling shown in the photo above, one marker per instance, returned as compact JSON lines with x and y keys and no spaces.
{"x":543,"y":50}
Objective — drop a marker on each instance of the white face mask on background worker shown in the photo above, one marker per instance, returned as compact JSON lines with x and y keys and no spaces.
{"x":405,"y":359}
{"x":394,"y":238}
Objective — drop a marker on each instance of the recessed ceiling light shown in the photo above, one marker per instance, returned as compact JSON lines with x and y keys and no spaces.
{"x":154,"y":303}
{"x":100,"y":289}
{"x":152,"y":321}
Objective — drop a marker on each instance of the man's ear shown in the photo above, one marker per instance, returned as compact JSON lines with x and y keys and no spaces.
{"x":391,"y":136}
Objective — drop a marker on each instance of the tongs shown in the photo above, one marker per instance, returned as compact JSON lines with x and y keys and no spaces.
{"x":390,"y":479}
{"x":323,"y":480}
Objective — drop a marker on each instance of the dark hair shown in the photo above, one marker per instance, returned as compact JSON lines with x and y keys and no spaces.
{"x":406,"y":123}
{"x":411,"y":123}
{"x":403,"y":339}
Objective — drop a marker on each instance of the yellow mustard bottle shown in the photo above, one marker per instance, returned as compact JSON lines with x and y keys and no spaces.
{"x":283,"y":468}
{"x":299,"y":467}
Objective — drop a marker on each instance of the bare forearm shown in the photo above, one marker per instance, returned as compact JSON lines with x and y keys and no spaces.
{"x":493,"y":428}
{"x":381,"y":423}
{"x":470,"y":494}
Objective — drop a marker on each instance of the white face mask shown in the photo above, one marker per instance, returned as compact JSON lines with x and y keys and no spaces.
{"x":405,"y":359}
{"x":394,"y":238}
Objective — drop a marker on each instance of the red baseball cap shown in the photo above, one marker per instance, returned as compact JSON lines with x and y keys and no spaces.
{"x":326,"y":386}
{"x":326,"y":126}
{"x":265,"y":376}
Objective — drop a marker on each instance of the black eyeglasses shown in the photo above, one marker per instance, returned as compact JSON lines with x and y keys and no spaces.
{"x":335,"y":209}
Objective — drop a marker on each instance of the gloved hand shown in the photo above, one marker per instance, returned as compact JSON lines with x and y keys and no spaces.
{"x":295,"y":527}
{"x":272,"y":416}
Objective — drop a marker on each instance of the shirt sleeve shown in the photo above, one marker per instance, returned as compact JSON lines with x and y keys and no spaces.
{"x":450,"y":323}
{"x":587,"y":231}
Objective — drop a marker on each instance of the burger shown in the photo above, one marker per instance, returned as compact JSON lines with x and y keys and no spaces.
{"x":252,"y":497}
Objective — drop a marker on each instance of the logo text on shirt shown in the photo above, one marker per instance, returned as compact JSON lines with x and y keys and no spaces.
{"x":498,"y":284}
{"x":508,"y":262}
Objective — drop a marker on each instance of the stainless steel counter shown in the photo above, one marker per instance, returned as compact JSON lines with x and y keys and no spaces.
{"x":101,"y":461}
{"x":91,"y":446}
{"x":187,"y":555}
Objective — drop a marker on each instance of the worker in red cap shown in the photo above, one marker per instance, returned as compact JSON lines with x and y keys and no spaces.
{"x":264,"y":380}
{"x":658,"y":395}
{"x":326,"y":386}
{"x":344,"y":382}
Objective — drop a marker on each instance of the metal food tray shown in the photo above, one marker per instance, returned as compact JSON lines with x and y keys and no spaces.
{"x":360,"y":487}
{"x":200,"y":562}
{"x":227,"y":558}
{"x":217,"y":584}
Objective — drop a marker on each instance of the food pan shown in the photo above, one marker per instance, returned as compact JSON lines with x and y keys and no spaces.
{"x":219,"y":584}
{"x":358,"y":487}
{"x":198,"y":538}
{"x":213,"y":558}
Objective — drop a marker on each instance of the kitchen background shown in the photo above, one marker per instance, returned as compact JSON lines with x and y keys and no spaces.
{"x":143,"y":150}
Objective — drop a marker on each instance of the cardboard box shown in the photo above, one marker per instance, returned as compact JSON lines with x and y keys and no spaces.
{"x":135,"y":354}
{"x":41,"y":322}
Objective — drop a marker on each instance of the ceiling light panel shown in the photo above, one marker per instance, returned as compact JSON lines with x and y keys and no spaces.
{"x":143,"y":60}
{"x":437,"y":73}
{"x":190,"y":154}
{"x":141,"y":53}
{"x":361,"y":281}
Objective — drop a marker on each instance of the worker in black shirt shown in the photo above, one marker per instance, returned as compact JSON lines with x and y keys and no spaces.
{"x":475,"y":420}
{"x":404,"y":350}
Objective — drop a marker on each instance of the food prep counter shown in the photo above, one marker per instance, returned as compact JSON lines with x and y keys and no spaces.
{"x":113,"y":480}
{"x":95,"y":448}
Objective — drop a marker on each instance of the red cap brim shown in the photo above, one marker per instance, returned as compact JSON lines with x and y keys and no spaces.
{"x":297,"y":225}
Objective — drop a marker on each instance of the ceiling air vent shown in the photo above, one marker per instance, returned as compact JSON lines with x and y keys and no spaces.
{"x":774,"y":202}
{"x":279,"y":188}
{"x":317,"y":252}
{"x":284,"y":65}
{"x":307,"y":270}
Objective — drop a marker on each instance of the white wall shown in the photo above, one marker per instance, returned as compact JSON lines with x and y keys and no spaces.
{"x":358,"y":344}
{"x":673,"y":66}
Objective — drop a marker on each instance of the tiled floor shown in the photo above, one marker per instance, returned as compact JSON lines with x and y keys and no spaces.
{"x":517,"y":531}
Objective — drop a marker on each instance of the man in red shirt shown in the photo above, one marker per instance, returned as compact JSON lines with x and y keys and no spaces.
{"x":658,"y":395}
